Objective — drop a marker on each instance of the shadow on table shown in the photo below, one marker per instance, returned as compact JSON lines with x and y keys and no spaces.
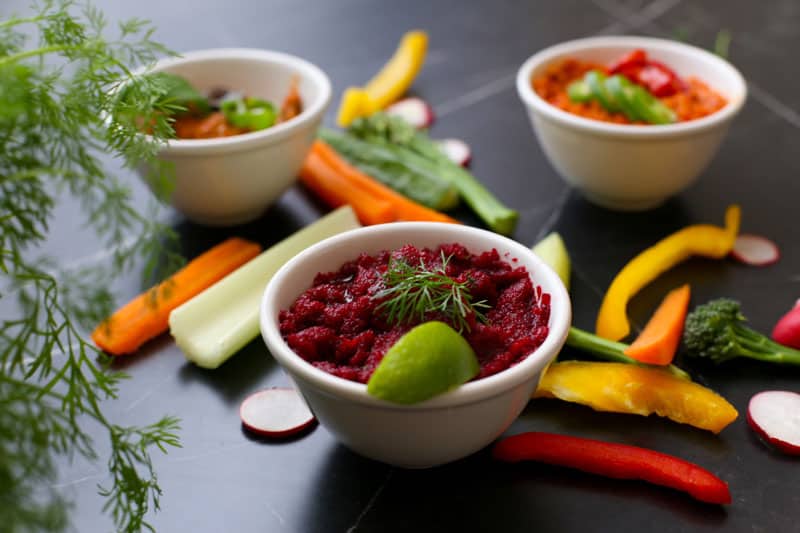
{"x":238,"y":376}
{"x":479,"y":494}
{"x":292,"y":212}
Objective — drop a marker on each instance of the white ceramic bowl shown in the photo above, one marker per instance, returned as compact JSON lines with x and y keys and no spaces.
{"x":439,"y":430}
{"x":232,"y":180}
{"x":628,"y":167}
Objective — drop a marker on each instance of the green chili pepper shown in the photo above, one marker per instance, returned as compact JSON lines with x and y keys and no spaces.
{"x":654,"y":110}
{"x":251,"y":113}
{"x":596,"y":81}
{"x":579,"y":91}
{"x":622,"y":90}
{"x":617,"y":94}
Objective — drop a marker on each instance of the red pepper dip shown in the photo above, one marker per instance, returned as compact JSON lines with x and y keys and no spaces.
{"x":689,"y":98}
{"x":337,"y":325}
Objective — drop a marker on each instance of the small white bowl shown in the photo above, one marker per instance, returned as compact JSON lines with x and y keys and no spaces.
{"x":630,"y":167}
{"x":442,"y":429}
{"x":232,"y":180}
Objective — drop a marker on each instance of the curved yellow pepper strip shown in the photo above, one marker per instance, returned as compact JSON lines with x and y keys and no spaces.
{"x":632,"y":389}
{"x":355,"y":103}
{"x":390,"y":83}
{"x":701,"y":239}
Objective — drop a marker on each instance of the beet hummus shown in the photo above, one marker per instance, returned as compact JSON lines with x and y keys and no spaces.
{"x":337,"y":324}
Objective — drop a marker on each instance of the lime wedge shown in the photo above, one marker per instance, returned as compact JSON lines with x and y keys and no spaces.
{"x":430,"y":359}
{"x":552,"y":251}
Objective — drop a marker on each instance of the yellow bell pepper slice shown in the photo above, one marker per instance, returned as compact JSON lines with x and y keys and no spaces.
{"x":701,"y":239}
{"x":355,"y":103}
{"x":633,"y":389}
{"x":390,"y":83}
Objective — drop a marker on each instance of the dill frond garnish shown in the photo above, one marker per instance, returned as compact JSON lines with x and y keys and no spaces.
{"x":411,"y":292}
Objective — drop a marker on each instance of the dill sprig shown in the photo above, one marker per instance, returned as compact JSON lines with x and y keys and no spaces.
{"x":60,"y":119}
{"x":412,"y":292}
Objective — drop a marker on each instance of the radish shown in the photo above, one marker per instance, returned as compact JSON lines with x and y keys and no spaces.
{"x":276,"y":412}
{"x":775,"y":416}
{"x":415,"y":111}
{"x":787,"y":330}
{"x":456,"y":150}
{"x":755,"y":250}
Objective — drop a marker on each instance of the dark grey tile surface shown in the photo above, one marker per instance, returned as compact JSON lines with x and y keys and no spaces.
{"x":221,"y":480}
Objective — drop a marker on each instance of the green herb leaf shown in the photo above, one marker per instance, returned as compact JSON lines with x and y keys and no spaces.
{"x":412,"y":293}
{"x":59,"y":114}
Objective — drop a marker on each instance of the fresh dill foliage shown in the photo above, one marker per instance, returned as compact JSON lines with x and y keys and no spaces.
{"x":722,"y":43}
{"x":59,"y":114}
{"x":412,"y":292}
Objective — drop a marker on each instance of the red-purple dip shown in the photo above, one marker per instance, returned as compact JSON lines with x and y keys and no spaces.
{"x":336,"y":324}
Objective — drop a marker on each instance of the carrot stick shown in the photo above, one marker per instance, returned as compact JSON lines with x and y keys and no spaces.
{"x":404,"y":208}
{"x":146,"y":316}
{"x":658,"y":341}
{"x":333,"y":189}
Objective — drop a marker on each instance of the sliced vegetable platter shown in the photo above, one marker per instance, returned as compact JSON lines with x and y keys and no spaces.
{"x":513,"y":497}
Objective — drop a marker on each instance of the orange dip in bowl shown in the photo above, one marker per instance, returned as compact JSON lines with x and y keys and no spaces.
{"x":697,"y":100}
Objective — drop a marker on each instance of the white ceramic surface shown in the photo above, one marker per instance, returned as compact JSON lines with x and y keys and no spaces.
{"x":629,"y":167}
{"x":234,"y":179}
{"x":442,"y":429}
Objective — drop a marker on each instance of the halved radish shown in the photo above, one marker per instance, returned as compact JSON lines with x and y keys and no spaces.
{"x":787,"y":330}
{"x":415,"y":111}
{"x":755,"y":250}
{"x":276,"y":412}
{"x":456,"y":150}
{"x":775,"y":416}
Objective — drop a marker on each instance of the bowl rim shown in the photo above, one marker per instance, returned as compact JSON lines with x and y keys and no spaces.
{"x":473,"y":391}
{"x":306,"y":69}
{"x":651,"y":131}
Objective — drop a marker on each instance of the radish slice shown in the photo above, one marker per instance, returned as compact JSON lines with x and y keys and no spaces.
{"x":456,"y":150}
{"x":755,"y":250}
{"x":775,"y":416}
{"x":276,"y":412}
{"x":415,"y":111}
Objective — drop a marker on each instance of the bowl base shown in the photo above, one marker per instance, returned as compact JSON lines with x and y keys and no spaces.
{"x":618,"y":204}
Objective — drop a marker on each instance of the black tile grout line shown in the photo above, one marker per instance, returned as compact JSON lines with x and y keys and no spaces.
{"x":636,"y":19}
{"x":371,"y":502}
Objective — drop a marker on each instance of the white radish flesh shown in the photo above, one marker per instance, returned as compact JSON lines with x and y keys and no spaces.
{"x":415,"y":111}
{"x":276,"y":412}
{"x":456,"y":150}
{"x":775,"y":416}
{"x":755,"y":250}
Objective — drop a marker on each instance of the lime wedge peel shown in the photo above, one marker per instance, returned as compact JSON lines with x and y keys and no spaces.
{"x":430,"y":359}
{"x":554,"y":253}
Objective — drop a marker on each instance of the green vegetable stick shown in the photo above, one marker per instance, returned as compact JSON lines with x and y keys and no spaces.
{"x":221,"y":320}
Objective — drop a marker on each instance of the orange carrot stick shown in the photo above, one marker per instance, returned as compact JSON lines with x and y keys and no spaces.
{"x":658,"y":341}
{"x":146,"y":316}
{"x":333,"y":189}
{"x":404,"y":208}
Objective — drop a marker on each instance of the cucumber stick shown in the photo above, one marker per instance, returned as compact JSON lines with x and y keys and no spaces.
{"x":221,"y":320}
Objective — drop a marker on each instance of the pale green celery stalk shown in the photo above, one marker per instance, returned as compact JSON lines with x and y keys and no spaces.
{"x":221,"y":320}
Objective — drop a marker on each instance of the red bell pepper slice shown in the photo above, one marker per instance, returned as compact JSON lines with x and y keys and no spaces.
{"x":630,"y":61}
{"x":619,"y":461}
{"x":655,"y":76}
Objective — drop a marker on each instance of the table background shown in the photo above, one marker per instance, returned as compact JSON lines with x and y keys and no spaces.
{"x":222,"y":480}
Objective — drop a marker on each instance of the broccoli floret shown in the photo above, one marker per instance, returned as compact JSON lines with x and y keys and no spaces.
{"x":717,"y":331}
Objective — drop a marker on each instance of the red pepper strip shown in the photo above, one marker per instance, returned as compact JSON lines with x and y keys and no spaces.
{"x":618,"y":461}
{"x":637,"y":58}
{"x":656,"y":80}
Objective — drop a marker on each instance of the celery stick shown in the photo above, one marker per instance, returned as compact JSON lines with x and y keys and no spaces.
{"x":219,"y":321}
